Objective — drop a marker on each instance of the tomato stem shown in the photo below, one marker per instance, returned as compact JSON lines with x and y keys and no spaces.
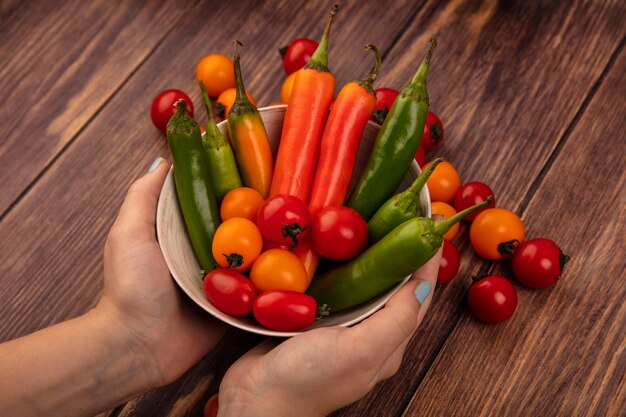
{"x":563,"y":259}
{"x":417,"y":186}
{"x":507,"y":248}
{"x":292,"y":231}
{"x":319,"y":59}
{"x":322,"y":311}
{"x":442,"y":226}
{"x":234,"y":260}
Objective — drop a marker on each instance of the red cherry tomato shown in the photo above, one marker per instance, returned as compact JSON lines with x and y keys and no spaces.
{"x":433,"y":132}
{"x":285,"y":311}
{"x":229,"y":291}
{"x":384,"y":99}
{"x":492,"y":299}
{"x":298,"y":54}
{"x":538,"y":263}
{"x":162,"y":107}
{"x":420,"y":156}
{"x":450,"y":263}
{"x":471,"y":194}
{"x":282,"y":219}
{"x":339,"y":233}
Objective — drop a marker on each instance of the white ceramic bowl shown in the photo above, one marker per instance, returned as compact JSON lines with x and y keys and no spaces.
{"x":184,"y":267}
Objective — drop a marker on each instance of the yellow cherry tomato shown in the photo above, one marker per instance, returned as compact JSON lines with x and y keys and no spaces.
{"x":237,"y":243}
{"x":495,"y":232}
{"x":278,"y":269}
{"x":241,"y":202}
{"x":446,"y":210}
{"x":285,"y":90}
{"x":227,"y":99}
{"x":443,"y":183}
{"x":217,"y":72}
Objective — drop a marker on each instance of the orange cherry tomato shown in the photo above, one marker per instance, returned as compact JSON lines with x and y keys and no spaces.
{"x":217,"y":72}
{"x":212,"y":406}
{"x":285,"y":90}
{"x":278,"y":269}
{"x":237,"y":243}
{"x":494,"y":233}
{"x":241,"y":202}
{"x":446,"y":210}
{"x":444,"y":182}
{"x":227,"y":99}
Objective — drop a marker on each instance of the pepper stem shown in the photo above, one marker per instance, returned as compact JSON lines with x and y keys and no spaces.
{"x":242,"y":103}
{"x":442,"y":226}
{"x":422,"y":72}
{"x":418,"y":184}
{"x":211,"y":125}
{"x":180,"y":106}
{"x":369,"y":79}
{"x":319,"y":59}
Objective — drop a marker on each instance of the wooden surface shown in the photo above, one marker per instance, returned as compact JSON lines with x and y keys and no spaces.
{"x":533,"y":100}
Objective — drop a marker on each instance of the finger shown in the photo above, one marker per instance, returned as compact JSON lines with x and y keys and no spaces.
{"x":139,"y":207}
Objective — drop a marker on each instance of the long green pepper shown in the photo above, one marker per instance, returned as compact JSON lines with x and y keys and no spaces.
{"x":223,"y":171}
{"x":396,"y":144}
{"x":191,"y":175}
{"x":397,"y":255}
{"x":400,"y":208}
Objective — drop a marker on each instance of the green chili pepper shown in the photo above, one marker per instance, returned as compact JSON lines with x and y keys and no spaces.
{"x":399,"y":208}
{"x":222,"y":166}
{"x":397,"y":255}
{"x":193,"y":186}
{"x":396,"y":144}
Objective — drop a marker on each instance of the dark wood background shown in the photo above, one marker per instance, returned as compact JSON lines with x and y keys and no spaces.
{"x":532,"y":95}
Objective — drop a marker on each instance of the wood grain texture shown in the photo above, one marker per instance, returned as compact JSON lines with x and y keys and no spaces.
{"x":61,"y":62}
{"x":507,"y":79}
{"x":563,"y":352}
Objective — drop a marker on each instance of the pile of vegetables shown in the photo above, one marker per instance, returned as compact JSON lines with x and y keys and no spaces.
{"x":259,"y":227}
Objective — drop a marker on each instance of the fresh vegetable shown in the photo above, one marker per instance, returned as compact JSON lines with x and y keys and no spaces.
{"x":340,"y":141}
{"x":226,"y":100}
{"x":473,"y":193}
{"x":229,"y":291}
{"x":212,"y":406}
{"x":450,"y":263}
{"x":309,"y":102}
{"x":400,"y":208}
{"x":397,"y":255}
{"x":241,"y":202}
{"x":303,"y":250}
{"x":538,"y":263}
{"x":278,"y":269}
{"x":297,"y":54}
{"x":223,"y":171}
{"x":495,"y":232}
{"x":384,"y":100}
{"x":162,"y":108}
{"x":284,"y":311}
{"x":285,"y":90}
{"x":339,"y":233}
{"x":249,"y":138}
{"x":216,"y":72}
{"x":283,"y":219}
{"x":492,"y":299}
{"x":446,"y":210}
{"x":396,"y":144}
{"x":420,"y":156}
{"x":237,"y":244}
{"x":444,"y":182}
{"x":433,"y":132}
{"x":196,"y":196}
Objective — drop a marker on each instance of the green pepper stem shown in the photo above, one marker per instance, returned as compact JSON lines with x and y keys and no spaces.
{"x":442,"y":226}
{"x":319,"y":59}
{"x":421,"y":179}
{"x":180,"y":106}
{"x":422,"y":72}
{"x":369,"y":79}
{"x":211,"y":125}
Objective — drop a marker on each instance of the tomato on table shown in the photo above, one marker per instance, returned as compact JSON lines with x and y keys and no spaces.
{"x":162,"y":107}
{"x":446,"y":210}
{"x":297,"y":54}
{"x":237,"y":243}
{"x":278,"y":269}
{"x":450,"y":263}
{"x":285,"y":311}
{"x":226,"y":100}
{"x":473,"y":193}
{"x":492,"y":299}
{"x":444,"y":182}
{"x":282,"y":219}
{"x":433,"y":132}
{"x":384,"y":100}
{"x":285,"y":90}
{"x":217,"y":72}
{"x":241,"y":202}
{"x":339,"y":233}
{"x":538,"y":263}
{"x":495,"y":233}
{"x":229,"y":291}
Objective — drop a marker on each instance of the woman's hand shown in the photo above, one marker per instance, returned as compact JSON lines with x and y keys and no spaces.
{"x":325,"y":369}
{"x":168,"y":331}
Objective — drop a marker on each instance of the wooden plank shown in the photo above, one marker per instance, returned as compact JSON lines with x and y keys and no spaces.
{"x":61,"y":62}
{"x":507,"y":79}
{"x":562,"y":353}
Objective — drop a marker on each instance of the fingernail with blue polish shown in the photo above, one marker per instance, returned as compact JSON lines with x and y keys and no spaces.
{"x":422,"y":290}
{"x":155,"y":164}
